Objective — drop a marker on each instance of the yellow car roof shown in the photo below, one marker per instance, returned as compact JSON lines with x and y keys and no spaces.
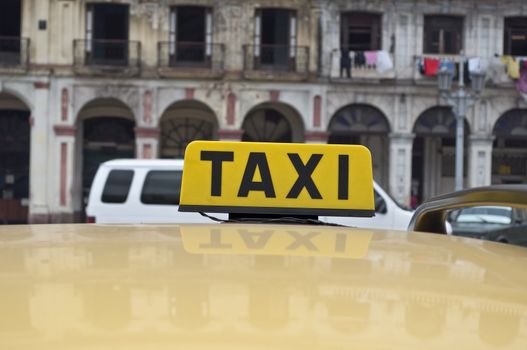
{"x":234,"y":286}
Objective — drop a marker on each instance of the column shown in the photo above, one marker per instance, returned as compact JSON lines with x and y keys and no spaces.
{"x":38,"y":164}
{"x":147,"y":143}
{"x":64,"y":151}
{"x":400,"y":175}
{"x":230,"y":134}
{"x":316,"y":137}
{"x":479,"y":172}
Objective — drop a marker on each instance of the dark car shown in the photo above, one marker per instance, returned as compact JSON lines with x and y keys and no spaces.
{"x":494,"y":223}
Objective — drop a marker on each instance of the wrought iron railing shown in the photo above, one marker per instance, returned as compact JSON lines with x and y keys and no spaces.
{"x":107,"y":53}
{"x":14,"y":51}
{"x":191,"y":55}
{"x":276,"y":58}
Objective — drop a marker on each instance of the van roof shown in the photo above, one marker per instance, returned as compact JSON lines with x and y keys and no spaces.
{"x":143,"y":163}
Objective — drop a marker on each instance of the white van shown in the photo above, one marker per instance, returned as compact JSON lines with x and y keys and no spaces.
{"x":147,"y":191}
{"x":388,"y":214}
{"x":139,"y":191}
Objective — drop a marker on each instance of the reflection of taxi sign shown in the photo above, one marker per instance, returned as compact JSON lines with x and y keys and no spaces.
{"x":277,"y":178}
{"x":240,"y":239}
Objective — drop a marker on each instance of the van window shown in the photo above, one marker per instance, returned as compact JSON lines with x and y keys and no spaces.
{"x":117,"y":186}
{"x":162,"y":187}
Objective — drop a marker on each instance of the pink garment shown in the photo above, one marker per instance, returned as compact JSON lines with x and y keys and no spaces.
{"x":521,"y":84}
{"x":371,"y":58}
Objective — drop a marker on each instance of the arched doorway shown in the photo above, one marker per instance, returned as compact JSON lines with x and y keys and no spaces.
{"x":273,"y":122}
{"x":509,"y":155}
{"x":434,"y":152}
{"x":105,"y":131}
{"x":14,"y":160}
{"x":364,"y":125}
{"x":182,"y":123}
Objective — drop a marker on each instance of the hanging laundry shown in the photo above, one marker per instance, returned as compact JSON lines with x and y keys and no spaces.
{"x":496,"y":71}
{"x":521,"y":83}
{"x":513,"y":66}
{"x":359,"y":59}
{"x":371,"y":58}
{"x":466,"y":73}
{"x":431,"y":66}
{"x":474,"y":65}
{"x":421,"y":66}
{"x":384,"y":62}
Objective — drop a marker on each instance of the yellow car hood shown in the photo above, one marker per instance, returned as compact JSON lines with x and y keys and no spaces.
{"x":257,"y":287}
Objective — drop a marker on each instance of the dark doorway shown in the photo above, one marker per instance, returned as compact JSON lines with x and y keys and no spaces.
{"x":109,"y":30}
{"x":276,"y":32}
{"x":10,"y":21}
{"x":190,"y":35}
{"x":105,"y":138}
{"x":515,"y":36}
{"x":443,"y":34}
{"x":360,"y":31}
{"x":14,"y":166}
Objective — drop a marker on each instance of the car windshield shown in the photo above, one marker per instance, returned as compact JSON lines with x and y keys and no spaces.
{"x":495,"y":215}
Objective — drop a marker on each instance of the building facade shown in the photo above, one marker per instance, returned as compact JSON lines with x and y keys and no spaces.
{"x":82,"y":82}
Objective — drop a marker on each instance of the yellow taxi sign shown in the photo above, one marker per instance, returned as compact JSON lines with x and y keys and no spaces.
{"x":277,"y":178}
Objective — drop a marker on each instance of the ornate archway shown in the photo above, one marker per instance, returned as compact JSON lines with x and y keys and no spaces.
{"x":364,"y":125}
{"x":273,"y":122}
{"x":509,"y":154}
{"x":14,"y":159}
{"x":182,"y":123}
{"x":105,"y":131}
{"x":433,"y":153}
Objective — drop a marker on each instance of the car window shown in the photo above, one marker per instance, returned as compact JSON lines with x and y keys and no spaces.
{"x":117,"y":186}
{"x":487,"y":214}
{"x":162,"y":187}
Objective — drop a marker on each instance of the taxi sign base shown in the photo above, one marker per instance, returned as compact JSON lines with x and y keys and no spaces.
{"x":278,"y":211}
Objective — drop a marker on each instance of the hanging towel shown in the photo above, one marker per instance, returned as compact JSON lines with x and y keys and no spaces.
{"x":431,"y":66}
{"x":474,"y":65}
{"x":497,"y":71}
{"x":371,"y":58}
{"x":513,"y":68}
{"x":384,"y":62}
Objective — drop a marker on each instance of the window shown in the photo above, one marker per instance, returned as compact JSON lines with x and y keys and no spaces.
{"x":117,"y":186}
{"x":190,"y":34}
{"x":515,"y":36}
{"x":107,"y":34}
{"x":360,"y":31}
{"x":10,"y":31}
{"x":275,"y":37}
{"x":162,"y":187}
{"x":443,"y":34}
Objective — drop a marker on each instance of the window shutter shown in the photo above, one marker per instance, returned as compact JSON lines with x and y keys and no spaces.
{"x":208,"y":32}
{"x":173,"y":31}
{"x":257,"y":34}
{"x":89,"y":27}
{"x":292,"y":35}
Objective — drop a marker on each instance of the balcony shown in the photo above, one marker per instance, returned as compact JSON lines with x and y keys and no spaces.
{"x":276,"y":62}
{"x":190,"y":60}
{"x":14,"y":54}
{"x":360,"y":70}
{"x":103,"y":57}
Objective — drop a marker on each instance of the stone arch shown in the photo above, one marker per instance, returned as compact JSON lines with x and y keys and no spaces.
{"x":433,"y":153}
{"x":509,"y":154}
{"x":273,"y":122}
{"x":364,"y":125}
{"x":126,"y":97}
{"x":183,"y":122}
{"x":105,"y":131}
{"x":15,"y":147}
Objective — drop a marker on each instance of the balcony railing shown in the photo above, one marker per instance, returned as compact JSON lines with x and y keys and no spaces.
{"x":14,"y":52}
{"x":107,"y":55}
{"x":359,"y":68}
{"x":186,"y":58}
{"x":431,"y":79}
{"x":276,"y":61}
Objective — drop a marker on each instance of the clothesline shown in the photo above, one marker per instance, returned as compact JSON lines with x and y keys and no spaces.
{"x":377,"y":59}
